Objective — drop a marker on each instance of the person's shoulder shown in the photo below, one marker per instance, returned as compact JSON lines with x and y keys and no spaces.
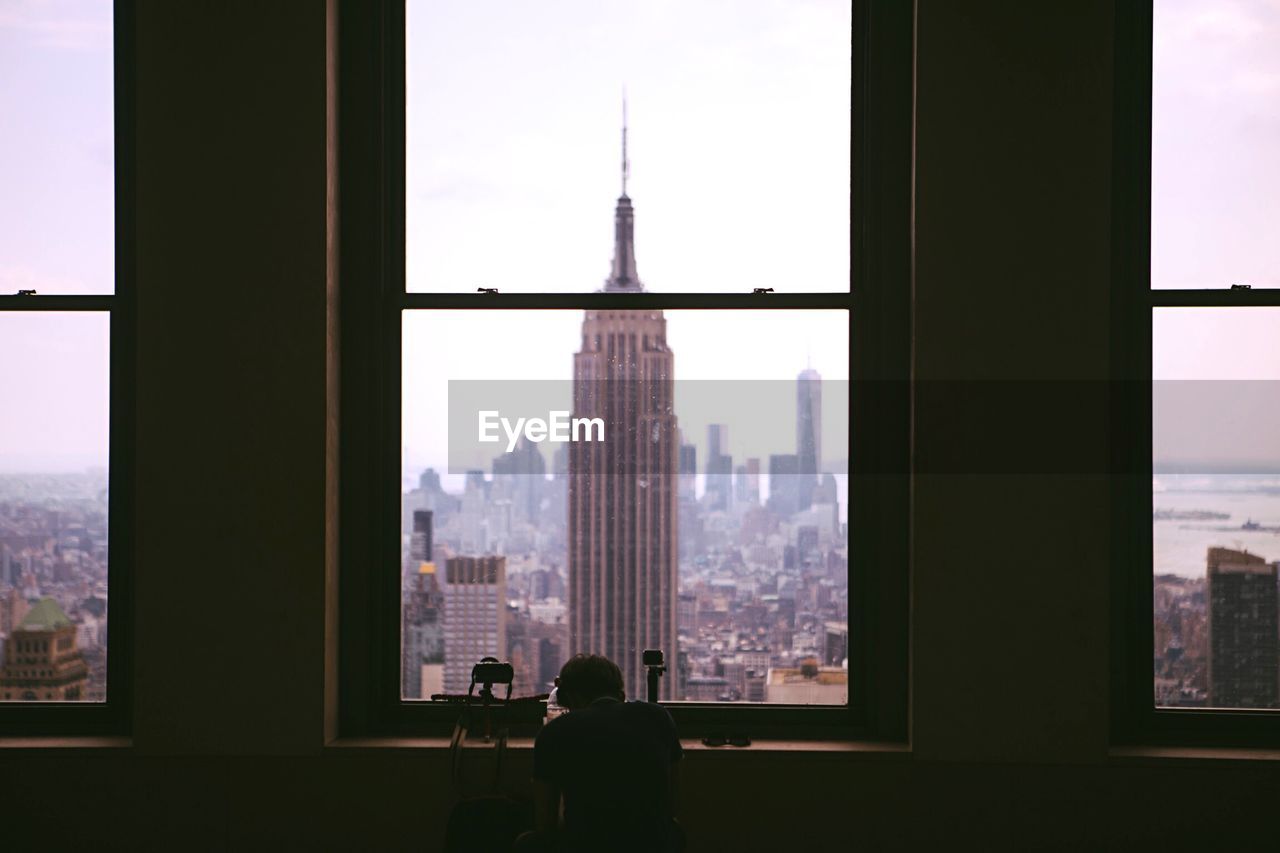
{"x":553,"y":730}
{"x":650,"y":710}
{"x":658,"y":721}
{"x":647,"y":707}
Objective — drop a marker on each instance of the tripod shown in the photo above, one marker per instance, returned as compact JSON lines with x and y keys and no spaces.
{"x":656,"y":667}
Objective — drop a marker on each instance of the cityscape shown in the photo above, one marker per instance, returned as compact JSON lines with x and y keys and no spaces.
{"x":760,"y":605}
{"x":734,"y":565}
{"x":1215,"y":593}
{"x":53,"y":587}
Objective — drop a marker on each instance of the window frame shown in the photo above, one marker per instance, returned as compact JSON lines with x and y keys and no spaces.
{"x":1135,"y":718}
{"x":373,"y":297}
{"x":114,"y":715}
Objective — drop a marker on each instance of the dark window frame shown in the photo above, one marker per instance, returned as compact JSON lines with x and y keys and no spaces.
{"x":1135,"y":718}
{"x":114,"y":716}
{"x":372,"y":239}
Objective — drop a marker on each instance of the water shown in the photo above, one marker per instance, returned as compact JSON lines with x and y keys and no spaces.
{"x":1180,"y":547}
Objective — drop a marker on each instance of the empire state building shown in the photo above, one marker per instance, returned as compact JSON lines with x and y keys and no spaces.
{"x":623,"y":490}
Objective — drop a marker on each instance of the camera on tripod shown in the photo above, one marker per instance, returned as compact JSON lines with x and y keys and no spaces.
{"x":655,"y":666}
{"x":491,"y":671}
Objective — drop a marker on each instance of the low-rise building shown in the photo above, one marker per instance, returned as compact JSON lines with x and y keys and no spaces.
{"x":807,"y":684}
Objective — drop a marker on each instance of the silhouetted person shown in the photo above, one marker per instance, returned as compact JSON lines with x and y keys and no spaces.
{"x":614,"y":764}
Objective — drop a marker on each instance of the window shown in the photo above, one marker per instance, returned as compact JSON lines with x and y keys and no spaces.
{"x":65,"y":338}
{"x":708,"y":334}
{"x":1198,"y":311}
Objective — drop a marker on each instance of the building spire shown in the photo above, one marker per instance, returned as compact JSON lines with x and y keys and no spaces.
{"x":626,"y":164}
{"x":624,"y":277}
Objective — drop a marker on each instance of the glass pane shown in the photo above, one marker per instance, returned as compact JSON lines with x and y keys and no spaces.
{"x":1215,"y":118}
{"x":1216,"y":506}
{"x":738,"y":118}
{"x":53,"y":506}
{"x":57,"y":149}
{"x":685,"y":487}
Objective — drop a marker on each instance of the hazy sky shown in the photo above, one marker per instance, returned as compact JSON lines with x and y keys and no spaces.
{"x":1216,"y":395}
{"x":53,"y":391}
{"x":1215,"y":188}
{"x":1216,"y":145}
{"x":738,"y":140}
{"x":56,"y":229}
{"x":56,"y":146}
{"x":739,"y":115}
{"x":739,"y":143}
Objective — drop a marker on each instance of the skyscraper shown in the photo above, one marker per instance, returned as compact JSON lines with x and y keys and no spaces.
{"x":475,"y":601}
{"x":808,"y":433}
{"x":1244,"y":626}
{"x":784,"y":497}
{"x":746,"y":482}
{"x":520,"y":477}
{"x":719,"y":492}
{"x":536,"y":650}
{"x":422,"y":624}
{"x":623,"y":491}
{"x":688,"y":471}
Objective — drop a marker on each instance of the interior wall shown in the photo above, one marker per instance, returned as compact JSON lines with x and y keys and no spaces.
{"x":1009,"y":575}
{"x":1010,"y":569}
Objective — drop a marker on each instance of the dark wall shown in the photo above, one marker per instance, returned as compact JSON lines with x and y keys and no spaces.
{"x":1010,"y":567}
{"x":1012,"y":290}
{"x":231,"y":378}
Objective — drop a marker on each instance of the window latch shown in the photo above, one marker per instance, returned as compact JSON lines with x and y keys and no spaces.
{"x":762,"y":290}
{"x":486,"y":290}
{"x":1242,"y":287}
{"x":26,"y":293}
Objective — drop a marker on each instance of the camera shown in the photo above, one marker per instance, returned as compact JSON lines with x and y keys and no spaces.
{"x":490,"y":671}
{"x":654,"y":667}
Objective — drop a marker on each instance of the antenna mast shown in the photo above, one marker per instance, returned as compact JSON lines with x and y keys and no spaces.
{"x":626,"y":164}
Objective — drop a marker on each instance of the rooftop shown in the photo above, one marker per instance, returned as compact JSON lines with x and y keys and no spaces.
{"x":45,"y":615}
{"x":832,"y":675}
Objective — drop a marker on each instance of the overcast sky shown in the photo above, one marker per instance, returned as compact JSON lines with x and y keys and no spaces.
{"x":1216,"y":222}
{"x":56,"y":146}
{"x":739,"y":131}
{"x":739,"y":143}
{"x":56,"y":229}
{"x":1216,"y":145}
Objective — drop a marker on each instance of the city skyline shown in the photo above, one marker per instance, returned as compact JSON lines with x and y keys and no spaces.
{"x":614,"y":552}
{"x":714,"y":347}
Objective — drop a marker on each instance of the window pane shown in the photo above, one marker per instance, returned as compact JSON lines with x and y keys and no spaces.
{"x":1216,"y":506}
{"x":57,"y":147}
{"x":53,"y":506}
{"x":739,"y":129}
{"x":1215,"y":177}
{"x":704,"y":514}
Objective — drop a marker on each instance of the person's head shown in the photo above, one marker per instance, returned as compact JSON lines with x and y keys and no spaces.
{"x":586,"y":678}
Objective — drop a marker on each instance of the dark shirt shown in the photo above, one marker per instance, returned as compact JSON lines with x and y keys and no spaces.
{"x":611,"y":761}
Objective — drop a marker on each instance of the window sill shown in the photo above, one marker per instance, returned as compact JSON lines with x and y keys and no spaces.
{"x":65,"y":743}
{"x":1190,"y":755}
{"x":863,"y":749}
{"x":868,"y":749}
